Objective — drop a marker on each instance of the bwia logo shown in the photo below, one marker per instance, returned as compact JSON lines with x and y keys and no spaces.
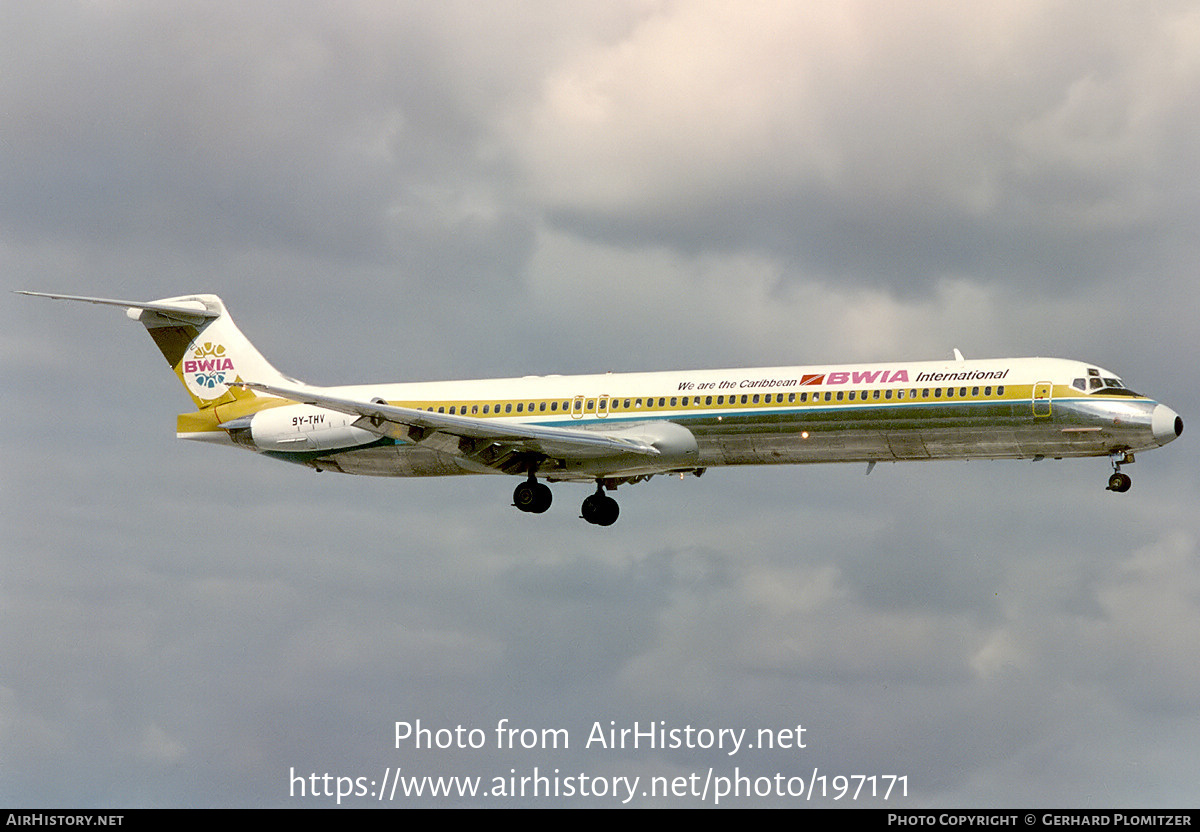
{"x":204,"y":373}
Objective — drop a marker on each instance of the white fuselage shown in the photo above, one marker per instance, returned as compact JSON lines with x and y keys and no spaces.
{"x":997,"y":409}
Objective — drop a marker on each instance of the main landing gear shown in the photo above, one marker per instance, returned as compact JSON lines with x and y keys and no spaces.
{"x":1119,"y":482}
{"x":532,"y":496}
{"x":600,"y":509}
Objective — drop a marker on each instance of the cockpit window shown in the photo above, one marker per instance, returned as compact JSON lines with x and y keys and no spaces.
{"x":1108,"y":385}
{"x":1080,"y":384}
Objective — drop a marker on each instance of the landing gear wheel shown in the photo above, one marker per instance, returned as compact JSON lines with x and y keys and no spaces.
{"x":534,"y":497}
{"x":544,"y":498}
{"x":1119,"y":482}
{"x":600,"y":510}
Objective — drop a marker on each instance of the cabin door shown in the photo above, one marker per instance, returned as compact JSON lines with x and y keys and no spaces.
{"x":1042,"y":392}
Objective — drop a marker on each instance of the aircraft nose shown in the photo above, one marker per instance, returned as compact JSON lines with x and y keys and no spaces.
{"x":1166,"y":424}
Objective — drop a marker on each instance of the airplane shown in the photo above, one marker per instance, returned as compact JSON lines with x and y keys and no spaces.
{"x":615,"y":429}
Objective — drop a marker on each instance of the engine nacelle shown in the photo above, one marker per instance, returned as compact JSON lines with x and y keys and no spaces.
{"x":302,"y":427}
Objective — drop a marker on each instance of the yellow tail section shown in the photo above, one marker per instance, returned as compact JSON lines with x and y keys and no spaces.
{"x":206,"y":350}
{"x":208,"y":353}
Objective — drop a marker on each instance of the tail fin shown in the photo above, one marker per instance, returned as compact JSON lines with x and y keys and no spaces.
{"x":207,"y":353}
{"x":201,"y":344}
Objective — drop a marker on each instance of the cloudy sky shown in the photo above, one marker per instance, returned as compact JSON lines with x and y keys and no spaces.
{"x":388,"y":191}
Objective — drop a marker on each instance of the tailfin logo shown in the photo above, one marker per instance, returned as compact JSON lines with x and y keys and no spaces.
{"x":204,"y":372}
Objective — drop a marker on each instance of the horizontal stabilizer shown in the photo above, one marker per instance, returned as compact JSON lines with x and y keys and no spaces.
{"x":191,"y":311}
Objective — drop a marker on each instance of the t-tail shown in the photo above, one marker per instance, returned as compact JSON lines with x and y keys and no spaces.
{"x":201,"y":343}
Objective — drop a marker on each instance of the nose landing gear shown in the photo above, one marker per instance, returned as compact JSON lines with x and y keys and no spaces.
{"x":1119,"y":482}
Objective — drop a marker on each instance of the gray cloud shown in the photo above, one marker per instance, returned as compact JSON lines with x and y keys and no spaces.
{"x":881,"y":144}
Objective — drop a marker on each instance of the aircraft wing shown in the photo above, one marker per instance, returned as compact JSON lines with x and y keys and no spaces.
{"x":423,"y":426}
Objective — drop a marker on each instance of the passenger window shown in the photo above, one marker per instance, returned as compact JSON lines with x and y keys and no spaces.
{"x":508,"y":408}
{"x":520,"y":407}
{"x":485,"y":409}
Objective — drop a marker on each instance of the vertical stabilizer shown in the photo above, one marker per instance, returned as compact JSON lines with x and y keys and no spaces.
{"x":207,"y":353}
